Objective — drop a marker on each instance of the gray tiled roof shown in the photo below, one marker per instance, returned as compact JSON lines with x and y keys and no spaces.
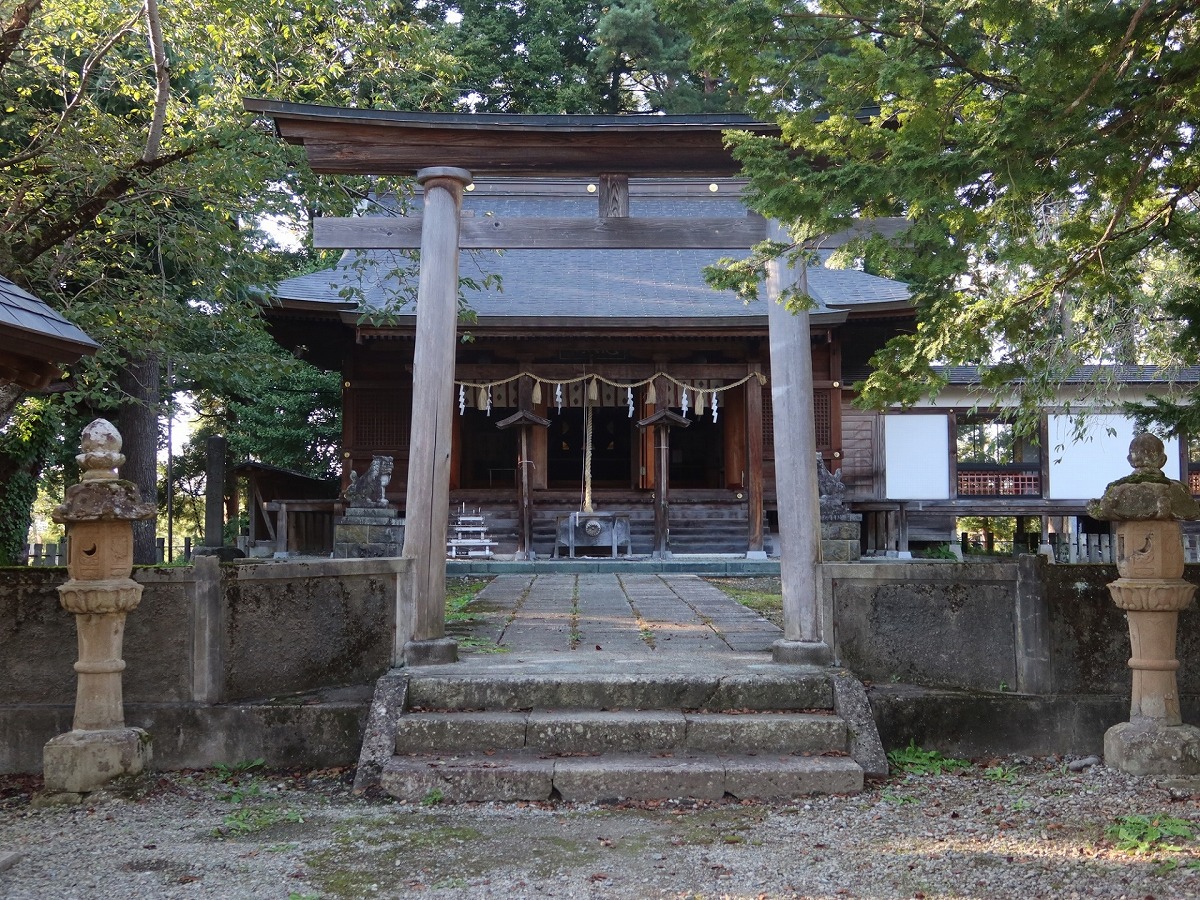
{"x":20,"y":310}
{"x":591,"y":284}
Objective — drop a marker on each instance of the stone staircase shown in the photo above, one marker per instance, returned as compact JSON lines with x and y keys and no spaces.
{"x":539,"y":730}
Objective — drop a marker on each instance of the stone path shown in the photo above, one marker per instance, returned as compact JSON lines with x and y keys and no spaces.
{"x":635,"y":615}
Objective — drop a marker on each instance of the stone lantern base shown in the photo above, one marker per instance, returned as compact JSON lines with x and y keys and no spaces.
{"x":1152,"y":748}
{"x":79,"y":762}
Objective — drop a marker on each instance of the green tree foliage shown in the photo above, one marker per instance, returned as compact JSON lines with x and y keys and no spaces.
{"x":1043,"y":154}
{"x":134,"y":186}
{"x":573,"y":56}
{"x":27,"y":440}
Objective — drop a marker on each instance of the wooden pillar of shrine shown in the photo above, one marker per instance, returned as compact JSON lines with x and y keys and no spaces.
{"x":527,"y":423}
{"x":754,"y":466}
{"x":428,"y":496}
{"x":661,"y":422}
{"x":795,"y":465}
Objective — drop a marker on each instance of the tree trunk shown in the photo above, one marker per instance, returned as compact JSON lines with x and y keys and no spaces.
{"x":139,"y":383}
{"x":10,"y":396}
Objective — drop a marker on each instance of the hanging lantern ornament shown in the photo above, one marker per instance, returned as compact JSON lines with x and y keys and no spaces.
{"x":558,"y":396}
{"x":462,"y":399}
{"x":537,"y":392}
{"x":629,"y":400}
{"x":685,"y":403}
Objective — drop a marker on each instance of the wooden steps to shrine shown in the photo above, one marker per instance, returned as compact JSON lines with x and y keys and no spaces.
{"x":696,"y":527}
{"x":543,"y":735}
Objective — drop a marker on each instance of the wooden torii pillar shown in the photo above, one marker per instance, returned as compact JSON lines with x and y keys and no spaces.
{"x":427,"y":499}
{"x":662,"y":422}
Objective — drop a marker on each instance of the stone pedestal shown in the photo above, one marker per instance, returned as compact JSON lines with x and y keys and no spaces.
{"x":841,"y":539}
{"x":1151,"y":590}
{"x":368,"y":533}
{"x":98,"y":512}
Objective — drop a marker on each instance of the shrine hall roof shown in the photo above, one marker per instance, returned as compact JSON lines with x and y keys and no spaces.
{"x":37,"y":341}
{"x":586,"y":284}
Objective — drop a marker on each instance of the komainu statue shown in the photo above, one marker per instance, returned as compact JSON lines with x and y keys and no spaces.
{"x":369,"y":490}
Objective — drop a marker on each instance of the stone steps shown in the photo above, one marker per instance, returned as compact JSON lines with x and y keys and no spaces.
{"x":528,"y":775}
{"x":619,"y":731}
{"x":541,"y":731}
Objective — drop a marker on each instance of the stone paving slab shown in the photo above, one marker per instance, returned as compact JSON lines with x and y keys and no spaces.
{"x":438,"y":732}
{"x":502,"y":777}
{"x":765,"y":733}
{"x":595,"y":779}
{"x":593,"y":731}
{"x":791,"y":776}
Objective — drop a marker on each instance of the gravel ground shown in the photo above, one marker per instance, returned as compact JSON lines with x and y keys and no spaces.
{"x":1002,"y":828}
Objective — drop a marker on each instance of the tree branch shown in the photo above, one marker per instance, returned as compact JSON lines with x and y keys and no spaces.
{"x":85,"y":75}
{"x":85,"y":212}
{"x":10,"y":37}
{"x":162,"y":81}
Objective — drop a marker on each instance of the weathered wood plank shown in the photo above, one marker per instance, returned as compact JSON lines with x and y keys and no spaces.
{"x":546,"y":233}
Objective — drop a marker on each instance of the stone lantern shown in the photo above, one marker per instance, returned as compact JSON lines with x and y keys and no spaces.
{"x":98,"y":512}
{"x":1147,"y":507}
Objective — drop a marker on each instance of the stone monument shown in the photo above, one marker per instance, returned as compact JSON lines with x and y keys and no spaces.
{"x":370,"y":527}
{"x":1147,"y":507}
{"x":97,"y":513}
{"x":841,"y":529}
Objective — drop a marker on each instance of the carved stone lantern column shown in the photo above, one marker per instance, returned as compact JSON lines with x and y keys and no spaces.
{"x":98,"y":512}
{"x":1147,"y":507}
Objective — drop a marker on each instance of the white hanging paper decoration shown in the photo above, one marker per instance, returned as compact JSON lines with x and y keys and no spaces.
{"x":462,"y":399}
{"x":489,"y":400}
{"x":558,"y":396}
{"x":629,"y":400}
{"x":714,"y":405}
{"x":685,"y":403}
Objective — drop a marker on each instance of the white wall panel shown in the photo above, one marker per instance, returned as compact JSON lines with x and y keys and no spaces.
{"x":1081,"y":469}
{"x":917,"y":457}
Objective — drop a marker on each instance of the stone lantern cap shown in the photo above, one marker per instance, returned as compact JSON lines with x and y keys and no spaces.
{"x":1146,"y":493}
{"x":101,"y":495}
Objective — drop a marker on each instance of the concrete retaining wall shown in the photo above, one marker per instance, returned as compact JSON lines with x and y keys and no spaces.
{"x":203,"y":636}
{"x":1024,"y":626}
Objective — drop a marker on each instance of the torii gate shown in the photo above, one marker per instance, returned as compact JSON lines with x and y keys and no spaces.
{"x":444,"y":152}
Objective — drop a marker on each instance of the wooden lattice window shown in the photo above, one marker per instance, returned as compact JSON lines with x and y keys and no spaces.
{"x":822,"y":416}
{"x":998,"y":483}
{"x":995,"y":461}
{"x":381,"y":419}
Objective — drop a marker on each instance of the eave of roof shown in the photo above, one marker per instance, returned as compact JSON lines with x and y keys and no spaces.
{"x":35,"y":341}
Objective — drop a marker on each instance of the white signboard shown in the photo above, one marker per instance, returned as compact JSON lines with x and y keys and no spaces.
{"x":1081,"y":469}
{"x":917,"y":456}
